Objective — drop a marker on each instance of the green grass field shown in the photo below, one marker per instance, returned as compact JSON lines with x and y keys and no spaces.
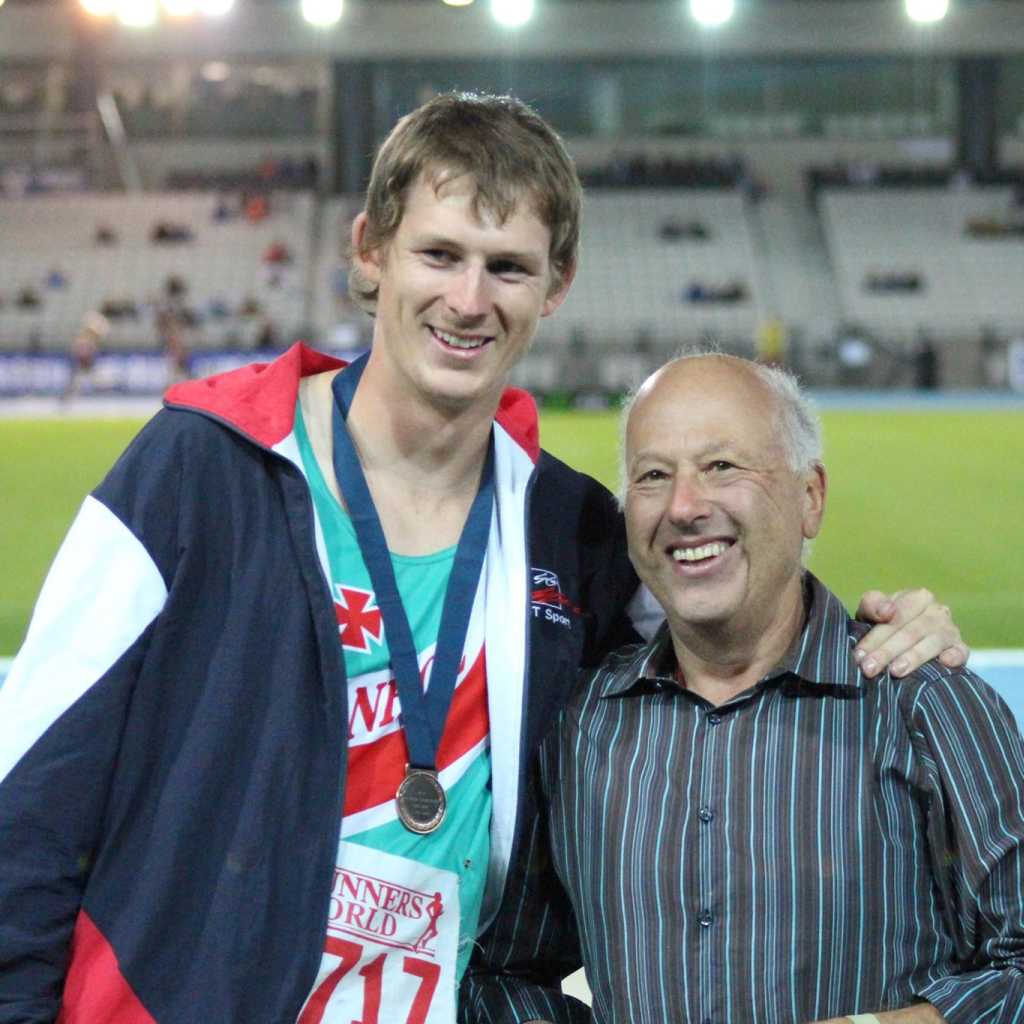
{"x":922,"y":498}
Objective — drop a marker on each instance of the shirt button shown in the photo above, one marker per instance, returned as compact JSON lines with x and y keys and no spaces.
{"x":705,"y":919}
{"x":706,"y":814}
{"x":714,"y":719}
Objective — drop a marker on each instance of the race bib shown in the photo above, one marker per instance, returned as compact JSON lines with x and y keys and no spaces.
{"x":392,"y":942}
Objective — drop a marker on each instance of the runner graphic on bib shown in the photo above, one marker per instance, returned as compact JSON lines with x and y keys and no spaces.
{"x":403,"y":906}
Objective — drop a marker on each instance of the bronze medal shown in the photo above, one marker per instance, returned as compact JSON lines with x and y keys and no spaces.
{"x":421,"y":801}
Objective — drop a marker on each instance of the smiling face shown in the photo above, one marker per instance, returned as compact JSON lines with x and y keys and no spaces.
{"x":460,"y":293}
{"x":716,"y":518}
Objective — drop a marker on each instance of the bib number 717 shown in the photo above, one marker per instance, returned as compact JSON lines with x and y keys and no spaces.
{"x":350,"y":954}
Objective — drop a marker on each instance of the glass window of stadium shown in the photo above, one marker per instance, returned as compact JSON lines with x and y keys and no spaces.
{"x":216,"y":98}
{"x":864,"y":97}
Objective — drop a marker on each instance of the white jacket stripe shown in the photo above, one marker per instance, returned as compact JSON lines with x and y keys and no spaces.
{"x":102,"y":591}
{"x":506,"y":583}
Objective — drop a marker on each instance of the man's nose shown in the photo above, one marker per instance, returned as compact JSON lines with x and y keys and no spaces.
{"x":689,"y":500}
{"x":468,"y":293}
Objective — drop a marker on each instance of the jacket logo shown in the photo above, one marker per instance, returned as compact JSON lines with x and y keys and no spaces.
{"x":359,"y":618}
{"x":547,"y":599}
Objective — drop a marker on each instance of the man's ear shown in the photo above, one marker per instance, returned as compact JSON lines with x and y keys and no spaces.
{"x":559,"y":289}
{"x":815,"y":490}
{"x":367,"y":261}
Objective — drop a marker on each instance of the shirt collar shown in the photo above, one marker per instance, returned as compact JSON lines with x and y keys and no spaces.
{"x":819,"y":656}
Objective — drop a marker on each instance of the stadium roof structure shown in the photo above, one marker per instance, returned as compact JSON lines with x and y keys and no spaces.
{"x":743,"y":4}
{"x":592,"y":29}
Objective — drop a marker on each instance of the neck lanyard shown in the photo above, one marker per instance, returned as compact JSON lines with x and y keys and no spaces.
{"x":420,"y":798}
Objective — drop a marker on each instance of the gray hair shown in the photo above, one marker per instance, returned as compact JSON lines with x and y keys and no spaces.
{"x":796,"y":419}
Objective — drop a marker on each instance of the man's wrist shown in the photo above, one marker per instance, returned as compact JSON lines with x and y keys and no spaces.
{"x":863,"y":1018}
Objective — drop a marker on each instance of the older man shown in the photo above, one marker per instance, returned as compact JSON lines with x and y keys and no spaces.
{"x":742,"y":826}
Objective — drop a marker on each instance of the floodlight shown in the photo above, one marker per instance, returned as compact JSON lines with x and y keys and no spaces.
{"x":512,"y":13}
{"x":180,"y":8}
{"x":214,"y":8}
{"x":98,"y":8}
{"x":450,"y":3}
{"x":712,"y":12}
{"x":322,"y":13}
{"x":927,"y":10}
{"x":136,"y":13}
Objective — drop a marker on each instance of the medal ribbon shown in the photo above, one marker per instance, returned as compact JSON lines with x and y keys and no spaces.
{"x":423,"y":714}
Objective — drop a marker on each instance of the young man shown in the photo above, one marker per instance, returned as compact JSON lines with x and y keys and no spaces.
{"x":211,"y":809}
{"x":742,"y":825}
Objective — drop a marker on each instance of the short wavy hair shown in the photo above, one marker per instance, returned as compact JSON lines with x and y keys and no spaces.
{"x":512,"y":154}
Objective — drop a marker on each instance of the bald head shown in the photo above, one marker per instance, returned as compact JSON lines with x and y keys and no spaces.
{"x":792,"y":418}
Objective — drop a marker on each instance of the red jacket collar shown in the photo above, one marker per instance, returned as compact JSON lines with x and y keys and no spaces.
{"x":259,"y":399}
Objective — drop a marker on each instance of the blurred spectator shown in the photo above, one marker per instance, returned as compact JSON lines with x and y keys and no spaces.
{"x":268,"y":338}
{"x":993,"y":227}
{"x":85,"y":349}
{"x":992,"y":356}
{"x":771,"y":341}
{"x":893,"y":281}
{"x":218,"y":309}
{"x":256,"y":207}
{"x":171,"y":323}
{"x":251,"y":307}
{"x":924,"y":360}
{"x":105,"y":235}
{"x":168,"y":233}
{"x":731,"y":292}
{"x":27,"y":298}
{"x":223,"y":210}
{"x":673,"y":230}
{"x":277,"y":253}
{"x":119,"y":309}
{"x":641,"y":170}
{"x":56,"y":279}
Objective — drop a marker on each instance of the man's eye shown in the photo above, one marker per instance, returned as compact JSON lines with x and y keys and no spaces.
{"x":652,"y":476}
{"x":504,"y":268}
{"x":438,"y":255}
{"x":720,"y":465}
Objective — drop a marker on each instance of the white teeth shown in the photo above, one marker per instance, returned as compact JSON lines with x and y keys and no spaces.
{"x":699,"y":554}
{"x":455,"y":341}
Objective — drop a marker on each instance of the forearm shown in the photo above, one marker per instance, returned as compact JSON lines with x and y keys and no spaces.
{"x":921,"y":1013}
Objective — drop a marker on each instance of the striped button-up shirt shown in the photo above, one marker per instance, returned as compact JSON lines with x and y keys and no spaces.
{"x":821,"y":845}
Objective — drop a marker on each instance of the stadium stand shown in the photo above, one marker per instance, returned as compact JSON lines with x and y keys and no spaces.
{"x":921,"y":233}
{"x":221,"y":262}
{"x":660,"y":267}
{"x":631,"y":279}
